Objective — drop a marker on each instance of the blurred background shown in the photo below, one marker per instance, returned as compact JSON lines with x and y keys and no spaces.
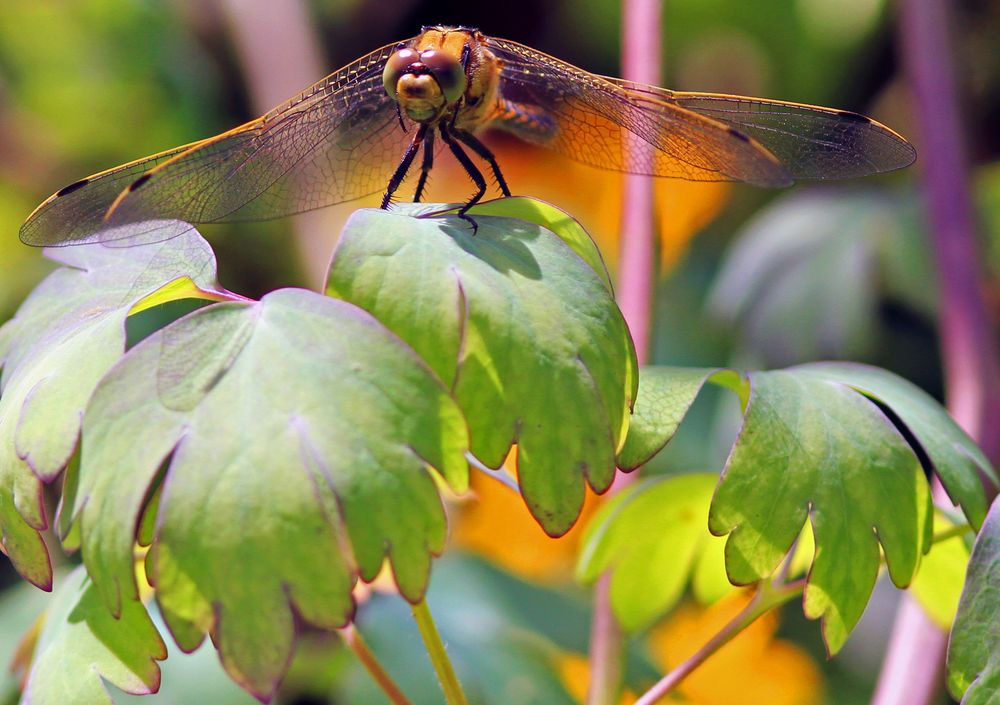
{"x":747,"y":277}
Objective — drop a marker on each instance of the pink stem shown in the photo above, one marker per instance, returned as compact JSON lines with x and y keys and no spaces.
{"x":280,"y":55}
{"x":913,"y":663}
{"x":641,"y":39}
{"x":641,"y":42}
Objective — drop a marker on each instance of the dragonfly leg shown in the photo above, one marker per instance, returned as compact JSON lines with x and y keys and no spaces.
{"x":426,"y":167}
{"x":483,"y":151}
{"x":471,"y":170}
{"x":404,"y":165}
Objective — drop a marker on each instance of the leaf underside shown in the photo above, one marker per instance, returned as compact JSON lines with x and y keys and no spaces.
{"x":65,"y":336}
{"x":82,"y":645}
{"x":295,"y":434}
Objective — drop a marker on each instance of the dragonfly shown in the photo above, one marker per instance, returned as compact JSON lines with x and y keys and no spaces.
{"x":360,"y":130}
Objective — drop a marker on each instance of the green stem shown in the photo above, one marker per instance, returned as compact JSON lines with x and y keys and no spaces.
{"x":453,"y":694}
{"x":768,"y":597}
{"x":352,"y":637}
{"x":950,"y":533}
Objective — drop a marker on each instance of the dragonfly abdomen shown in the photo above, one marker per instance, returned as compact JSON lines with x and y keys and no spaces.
{"x":524,"y":120}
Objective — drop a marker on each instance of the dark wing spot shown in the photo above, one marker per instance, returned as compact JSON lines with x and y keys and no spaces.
{"x":738,"y":135}
{"x":72,"y":187}
{"x":854,"y":117}
{"x":139,"y":182}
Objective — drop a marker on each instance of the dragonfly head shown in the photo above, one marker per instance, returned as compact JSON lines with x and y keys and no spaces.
{"x":424,"y":83}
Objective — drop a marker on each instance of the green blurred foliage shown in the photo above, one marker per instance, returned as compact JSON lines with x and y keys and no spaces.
{"x":804,"y":50}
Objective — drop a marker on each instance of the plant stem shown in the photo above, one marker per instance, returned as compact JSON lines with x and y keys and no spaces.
{"x":911,"y":671}
{"x":768,"y":596}
{"x":453,"y":694}
{"x":352,"y":637}
{"x":953,"y":532}
{"x":641,"y":63}
{"x":641,"y":47}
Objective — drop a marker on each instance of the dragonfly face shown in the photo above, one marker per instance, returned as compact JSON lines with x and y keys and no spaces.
{"x":429,"y":78}
{"x":360,"y":130}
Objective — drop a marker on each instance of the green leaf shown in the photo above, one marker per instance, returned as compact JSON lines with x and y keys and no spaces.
{"x":665,"y":395}
{"x":198,"y":678}
{"x":938,"y":584}
{"x":296,"y":433}
{"x":812,"y":444}
{"x":82,"y":645}
{"x":954,"y":456}
{"x":651,"y":537}
{"x":816,"y":449}
{"x":555,"y":219}
{"x":65,"y":336}
{"x":974,"y":649}
{"x":522,"y":329}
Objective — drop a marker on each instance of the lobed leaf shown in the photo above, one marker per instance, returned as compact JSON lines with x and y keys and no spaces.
{"x":654,"y":538}
{"x":81,"y":646}
{"x":295,"y":434}
{"x":522,"y":329}
{"x":65,"y":336}
{"x":954,"y":456}
{"x":813,"y":446}
{"x":665,"y":395}
{"x":814,"y":449}
{"x":974,"y":649}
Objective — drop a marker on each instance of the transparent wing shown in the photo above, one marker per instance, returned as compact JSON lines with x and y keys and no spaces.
{"x":616,"y":124}
{"x":812,"y":142}
{"x":337,"y":141}
{"x":76,"y":211}
{"x":598,"y":122}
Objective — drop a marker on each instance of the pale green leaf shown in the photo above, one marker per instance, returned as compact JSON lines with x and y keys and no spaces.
{"x":651,"y":538}
{"x":81,"y":646}
{"x":296,"y":433}
{"x":65,"y":336}
{"x":954,"y":457}
{"x":665,"y":396}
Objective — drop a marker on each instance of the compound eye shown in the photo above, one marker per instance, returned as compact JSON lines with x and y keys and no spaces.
{"x":395,"y":67}
{"x":447,"y":71}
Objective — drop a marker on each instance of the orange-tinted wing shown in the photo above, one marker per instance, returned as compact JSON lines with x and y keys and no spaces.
{"x":630,"y":127}
{"x":337,"y":141}
{"x":811,"y":141}
{"x":73,"y":212}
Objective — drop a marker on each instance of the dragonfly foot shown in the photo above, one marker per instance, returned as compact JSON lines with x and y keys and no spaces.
{"x":471,"y":221}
